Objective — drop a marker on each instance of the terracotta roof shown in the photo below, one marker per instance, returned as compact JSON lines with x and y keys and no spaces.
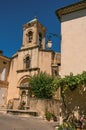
{"x":72,"y":8}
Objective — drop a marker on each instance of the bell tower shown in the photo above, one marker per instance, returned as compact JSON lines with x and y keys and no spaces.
{"x":33,"y":34}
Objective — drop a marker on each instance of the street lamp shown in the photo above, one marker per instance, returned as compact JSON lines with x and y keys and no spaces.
{"x":49,"y":44}
{"x":49,"y":37}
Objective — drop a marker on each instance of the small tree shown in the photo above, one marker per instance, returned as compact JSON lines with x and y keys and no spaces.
{"x":41,"y":85}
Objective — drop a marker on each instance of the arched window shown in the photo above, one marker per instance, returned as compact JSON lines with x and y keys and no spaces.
{"x":3,"y":74}
{"x":27,"y":62}
{"x":29,"y":36}
{"x":23,"y":93}
{"x":40,"y":39}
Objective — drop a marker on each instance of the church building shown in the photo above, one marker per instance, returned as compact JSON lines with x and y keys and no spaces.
{"x":32,"y":58}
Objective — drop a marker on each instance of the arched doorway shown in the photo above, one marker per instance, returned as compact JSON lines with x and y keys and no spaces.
{"x":24,"y":93}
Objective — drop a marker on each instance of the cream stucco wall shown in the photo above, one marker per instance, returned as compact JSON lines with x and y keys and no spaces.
{"x":41,"y":61}
{"x":73,"y":46}
{"x":17,"y":70}
{"x":45,"y":61}
{"x":12,"y":79}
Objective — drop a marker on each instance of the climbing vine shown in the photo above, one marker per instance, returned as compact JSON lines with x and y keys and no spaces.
{"x":44,"y":85}
{"x":71,"y":81}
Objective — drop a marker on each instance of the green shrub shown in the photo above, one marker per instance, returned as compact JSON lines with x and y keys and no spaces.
{"x":54,"y":117}
{"x":60,"y":128}
{"x":41,"y":85}
{"x":48,"y":115}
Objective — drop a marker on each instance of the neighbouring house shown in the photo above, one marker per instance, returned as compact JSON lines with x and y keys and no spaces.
{"x":73,"y":44}
{"x":4,"y":72}
{"x":73,"y":52}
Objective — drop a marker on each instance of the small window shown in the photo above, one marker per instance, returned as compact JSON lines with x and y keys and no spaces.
{"x":30,"y":36}
{"x":3,"y":74}
{"x":40,"y":39}
{"x":27,"y":62}
{"x":4,"y":62}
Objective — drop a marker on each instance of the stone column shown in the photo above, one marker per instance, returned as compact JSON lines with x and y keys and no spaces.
{"x":20,"y":96}
{"x":26,"y":97}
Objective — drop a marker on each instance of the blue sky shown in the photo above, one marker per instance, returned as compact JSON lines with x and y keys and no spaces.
{"x":15,"y":13}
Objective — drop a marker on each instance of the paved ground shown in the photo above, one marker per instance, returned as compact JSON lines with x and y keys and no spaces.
{"x":13,"y":122}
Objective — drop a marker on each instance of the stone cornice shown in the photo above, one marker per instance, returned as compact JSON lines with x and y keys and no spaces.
{"x":5,"y":58}
{"x":15,"y":55}
{"x":32,"y":23}
{"x":26,"y":70}
{"x":72,"y":8}
{"x":28,"y":48}
{"x":45,"y":50}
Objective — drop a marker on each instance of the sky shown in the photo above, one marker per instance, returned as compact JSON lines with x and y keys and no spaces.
{"x":15,"y":13}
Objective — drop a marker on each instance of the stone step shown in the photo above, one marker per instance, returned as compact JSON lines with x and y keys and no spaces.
{"x":20,"y":112}
{"x":3,"y":107}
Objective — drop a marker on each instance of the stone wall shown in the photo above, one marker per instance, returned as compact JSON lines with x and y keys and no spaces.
{"x":43,"y":105}
{"x":75,"y":100}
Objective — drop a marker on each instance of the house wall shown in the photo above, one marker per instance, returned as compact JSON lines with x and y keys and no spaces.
{"x":13,"y":79}
{"x":3,"y":95}
{"x":73,"y":46}
{"x":4,"y":72}
{"x":4,"y":63}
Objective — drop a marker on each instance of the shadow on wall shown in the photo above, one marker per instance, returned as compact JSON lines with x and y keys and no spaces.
{"x":75,"y":100}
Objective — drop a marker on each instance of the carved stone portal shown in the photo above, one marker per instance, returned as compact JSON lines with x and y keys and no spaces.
{"x":25,"y":94}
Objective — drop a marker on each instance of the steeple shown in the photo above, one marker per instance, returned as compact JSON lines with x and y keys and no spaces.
{"x":33,"y":34}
